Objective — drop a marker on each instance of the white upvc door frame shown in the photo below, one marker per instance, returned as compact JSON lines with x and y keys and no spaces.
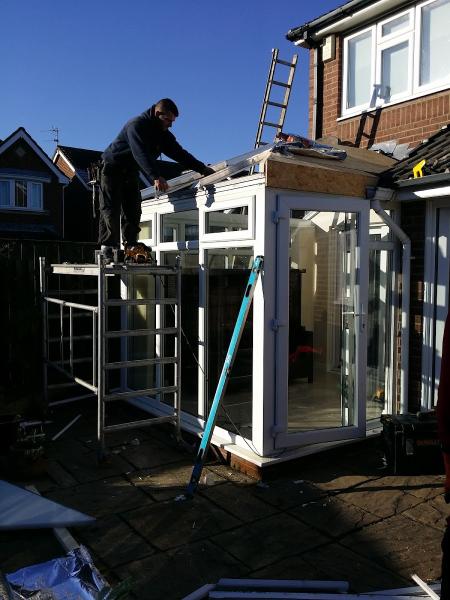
{"x":317,"y":202}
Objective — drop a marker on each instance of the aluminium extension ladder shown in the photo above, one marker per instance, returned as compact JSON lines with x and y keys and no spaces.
{"x":112,"y":320}
{"x":268,"y":98}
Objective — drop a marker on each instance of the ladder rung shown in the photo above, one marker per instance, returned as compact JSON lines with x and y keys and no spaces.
{"x":145,"y":392}
{"x":141,"y":423}
{"x":141,"y":302}
{"x":286,"y":62}
{"x":280,"y":83}
{"x":137,"y":332}
{"x":271,"y":103}
{"x":141,"y":363}
{"x":269,"y":124}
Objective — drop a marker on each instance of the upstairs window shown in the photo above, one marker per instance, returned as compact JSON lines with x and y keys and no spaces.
{"x":400,"y":57}
{"x":20,"y":194}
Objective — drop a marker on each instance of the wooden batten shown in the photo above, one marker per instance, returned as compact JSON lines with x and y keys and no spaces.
{"x":309,"y":175}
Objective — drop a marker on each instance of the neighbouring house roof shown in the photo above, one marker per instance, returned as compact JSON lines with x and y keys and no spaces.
{"x":435,"y":150}
{"x":79,"y":159}
{"x":345,"y":17}
{"x":21,"y":133}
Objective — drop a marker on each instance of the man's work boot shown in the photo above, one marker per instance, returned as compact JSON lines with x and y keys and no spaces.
{"x":138,"y":252}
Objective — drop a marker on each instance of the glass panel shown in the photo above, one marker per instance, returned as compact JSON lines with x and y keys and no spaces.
{"x":21,"y":194}
{"x":180,"y":226}
{"x":230,"y":219}
{"x":435,"y":42}
{"x":379,"y":231}
{"x":395,"y":25}
{"x":322,"y":301}
{"x":189,"y":325}
{"x":359,"y":69}
{"x":378,"y":331}
{"x":228,"y":273}
{"x":4,"y":193}
{"x":394,"y":70}
{"x":35,"y":199}
{"x":146,"y":232}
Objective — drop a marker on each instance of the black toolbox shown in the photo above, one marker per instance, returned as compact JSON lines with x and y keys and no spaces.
{"x":411,"y":443}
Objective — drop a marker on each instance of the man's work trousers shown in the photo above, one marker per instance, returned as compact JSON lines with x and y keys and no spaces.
{"x":120,"y":203}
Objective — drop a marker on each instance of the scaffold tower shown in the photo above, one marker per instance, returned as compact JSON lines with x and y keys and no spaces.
{"x":113,"y":329}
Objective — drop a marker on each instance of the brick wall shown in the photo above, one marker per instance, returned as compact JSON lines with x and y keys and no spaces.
{"x":407,"y":122}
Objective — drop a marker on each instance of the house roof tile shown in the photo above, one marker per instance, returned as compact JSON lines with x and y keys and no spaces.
{"x":435,"y":150}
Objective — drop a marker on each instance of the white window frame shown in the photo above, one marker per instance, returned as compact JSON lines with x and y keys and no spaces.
{"x":433,"y":86}
{"x":359,"y":107}
{"x":227,"y":236}
{"x":412,"y":34}
{"x":12,"y":194}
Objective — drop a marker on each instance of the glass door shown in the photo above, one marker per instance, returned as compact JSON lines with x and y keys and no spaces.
{"x":321,"y":342}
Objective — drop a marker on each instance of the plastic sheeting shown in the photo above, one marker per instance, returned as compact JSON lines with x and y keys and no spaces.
{"x":291,"y":144}
{"x":73,"y":577}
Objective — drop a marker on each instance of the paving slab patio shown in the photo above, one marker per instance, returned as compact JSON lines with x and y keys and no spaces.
{"x":338,"y":515}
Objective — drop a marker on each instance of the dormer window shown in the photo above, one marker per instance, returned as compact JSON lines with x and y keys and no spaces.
{"x":20,"y":194}
{"x":398,"y":58}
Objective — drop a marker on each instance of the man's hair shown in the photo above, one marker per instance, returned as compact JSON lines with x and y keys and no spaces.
{"x":167,"y":105}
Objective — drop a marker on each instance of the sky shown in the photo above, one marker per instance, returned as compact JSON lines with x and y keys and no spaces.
{"x":86,"y":67}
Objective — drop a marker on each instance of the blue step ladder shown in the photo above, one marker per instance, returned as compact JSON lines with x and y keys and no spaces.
{"x":224,"y":376}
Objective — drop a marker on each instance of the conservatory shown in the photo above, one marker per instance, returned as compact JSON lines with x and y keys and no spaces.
{"x":316,"y":363}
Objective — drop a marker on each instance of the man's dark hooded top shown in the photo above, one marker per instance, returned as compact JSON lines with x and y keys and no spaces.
{"x":140,"y":142}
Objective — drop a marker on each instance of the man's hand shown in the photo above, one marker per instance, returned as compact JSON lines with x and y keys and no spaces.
{"x":161,"y":185}
{"x":207,"y":171}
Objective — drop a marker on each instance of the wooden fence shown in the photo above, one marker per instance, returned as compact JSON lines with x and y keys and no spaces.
{"x":21,"y":319}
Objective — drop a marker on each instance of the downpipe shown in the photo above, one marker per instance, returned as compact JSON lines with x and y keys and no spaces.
{"x":406,"y":279}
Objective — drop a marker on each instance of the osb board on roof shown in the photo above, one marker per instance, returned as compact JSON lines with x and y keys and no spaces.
{"x":374,"y":162}
{"x":312,"y":175}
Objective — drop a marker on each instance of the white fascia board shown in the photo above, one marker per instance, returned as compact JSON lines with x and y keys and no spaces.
{"x":64,"y":157}
{"x":22,"y":134}
{"x":424,"y":194}
{"x":359,"y":17}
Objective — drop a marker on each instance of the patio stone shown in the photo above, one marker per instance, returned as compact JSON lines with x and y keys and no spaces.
{"x":101,"y":498}
{"x":114,"y":541}
{"x":170,"y":481}
{"x":432,"y":513}
{"x":170,"y":524}
{"x":228,"y":473}
{"x":150,"y":454}
{"x":333,"y":516}
{"x":336,"y":563}
{"x":239,"y":501}
{"x":382,"y":497}
{"x":175,"y":574}
{"x":260,"y":543}
{"x":401,"y":545}
{"x":86,"y":468}
{"x":286,"y":493}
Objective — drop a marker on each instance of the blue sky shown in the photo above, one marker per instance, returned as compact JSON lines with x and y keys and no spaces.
{"x":87,"y":66}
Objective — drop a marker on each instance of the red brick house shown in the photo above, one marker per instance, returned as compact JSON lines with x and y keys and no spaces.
{"x":31,"y":190}
{"x":379,"y":74}
{"x":378,"y":70}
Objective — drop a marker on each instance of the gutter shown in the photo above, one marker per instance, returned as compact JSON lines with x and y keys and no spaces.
{"x":380,"y":194}
{"x":343,"y":18}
